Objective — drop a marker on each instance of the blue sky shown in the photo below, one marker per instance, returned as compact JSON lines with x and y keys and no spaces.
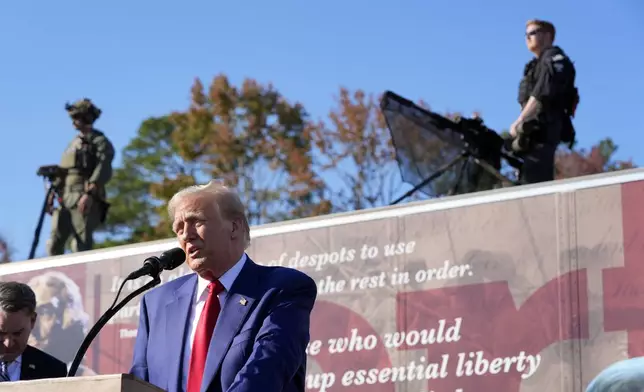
{"x":138,"y":59}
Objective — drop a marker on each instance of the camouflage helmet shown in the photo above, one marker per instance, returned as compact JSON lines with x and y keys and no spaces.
{"x":83,"y":109}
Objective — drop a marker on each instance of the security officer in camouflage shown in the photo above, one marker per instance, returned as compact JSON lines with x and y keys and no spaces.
{"x":548,"y":99}
{"x":87,"y":165}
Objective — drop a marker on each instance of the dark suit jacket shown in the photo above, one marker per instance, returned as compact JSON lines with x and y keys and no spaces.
{"x":38,"y":364}
{"x":259,"y":341}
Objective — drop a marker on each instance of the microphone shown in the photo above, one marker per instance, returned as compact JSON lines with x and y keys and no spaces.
{"x":152,"y":266}
{"x":169,"y":260}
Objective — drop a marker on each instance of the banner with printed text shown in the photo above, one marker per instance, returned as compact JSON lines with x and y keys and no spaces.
{"x":532,"y":294}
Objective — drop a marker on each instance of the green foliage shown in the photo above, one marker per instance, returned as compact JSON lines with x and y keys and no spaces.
{"x":148,"y":159}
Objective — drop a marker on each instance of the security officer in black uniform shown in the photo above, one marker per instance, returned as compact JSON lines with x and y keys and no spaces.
{"x":548,"y":98}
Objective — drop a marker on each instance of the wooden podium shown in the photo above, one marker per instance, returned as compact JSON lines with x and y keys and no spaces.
{"x":109,"y":383}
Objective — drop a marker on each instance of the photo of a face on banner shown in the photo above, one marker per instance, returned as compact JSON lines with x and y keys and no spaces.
{"x":62,"y":321}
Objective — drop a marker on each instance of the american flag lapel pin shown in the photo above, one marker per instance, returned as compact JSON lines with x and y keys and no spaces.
{"x":243,"y":301}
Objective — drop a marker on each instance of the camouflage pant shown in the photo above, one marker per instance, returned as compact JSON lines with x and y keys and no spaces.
{"x":70,"y":224}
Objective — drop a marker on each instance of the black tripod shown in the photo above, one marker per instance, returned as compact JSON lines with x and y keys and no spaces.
{"x":467,"y":158}
{"x":41,"y":219}
{"x":49,"y":173}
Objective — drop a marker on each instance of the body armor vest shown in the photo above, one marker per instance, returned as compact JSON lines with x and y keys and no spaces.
{"x":564,"y":103}
{"x":527,"y":82}
{"x":80,"y":160}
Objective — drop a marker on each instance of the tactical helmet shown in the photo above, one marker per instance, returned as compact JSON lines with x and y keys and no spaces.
{"x":83,"y":109}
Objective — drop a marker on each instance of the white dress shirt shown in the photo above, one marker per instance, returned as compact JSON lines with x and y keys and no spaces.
{"x":201,"y":294}
{"x":13,"y":369}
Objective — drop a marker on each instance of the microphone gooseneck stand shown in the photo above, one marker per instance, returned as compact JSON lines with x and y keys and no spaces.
{"x":109,"y":313}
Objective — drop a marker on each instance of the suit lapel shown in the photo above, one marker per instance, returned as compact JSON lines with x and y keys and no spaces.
{"x":239,"y":302}
{"x":177,"y":318}
{"x":28,"y":366}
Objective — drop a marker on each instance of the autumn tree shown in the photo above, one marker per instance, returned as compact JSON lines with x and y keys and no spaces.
{"x":354,"y":153}
{"x":283,"y":164}
{"x":598,"y":159}
{"x":249,"y":136}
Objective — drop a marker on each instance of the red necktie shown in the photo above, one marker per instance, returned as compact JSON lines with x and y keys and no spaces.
{"x":203,"y":335}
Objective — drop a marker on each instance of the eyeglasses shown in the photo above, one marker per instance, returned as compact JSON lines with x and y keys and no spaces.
{"x":532,"y":32}
{"x":46,"y":309}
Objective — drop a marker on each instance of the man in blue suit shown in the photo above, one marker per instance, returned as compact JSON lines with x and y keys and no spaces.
{"x":233,"y":325}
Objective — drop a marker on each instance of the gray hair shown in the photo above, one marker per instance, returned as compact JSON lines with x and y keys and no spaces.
{"x":16,"y":296}
{"x":227,"y":201}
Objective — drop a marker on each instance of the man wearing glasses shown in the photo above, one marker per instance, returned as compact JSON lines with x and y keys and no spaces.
{"x":548,"y":99}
